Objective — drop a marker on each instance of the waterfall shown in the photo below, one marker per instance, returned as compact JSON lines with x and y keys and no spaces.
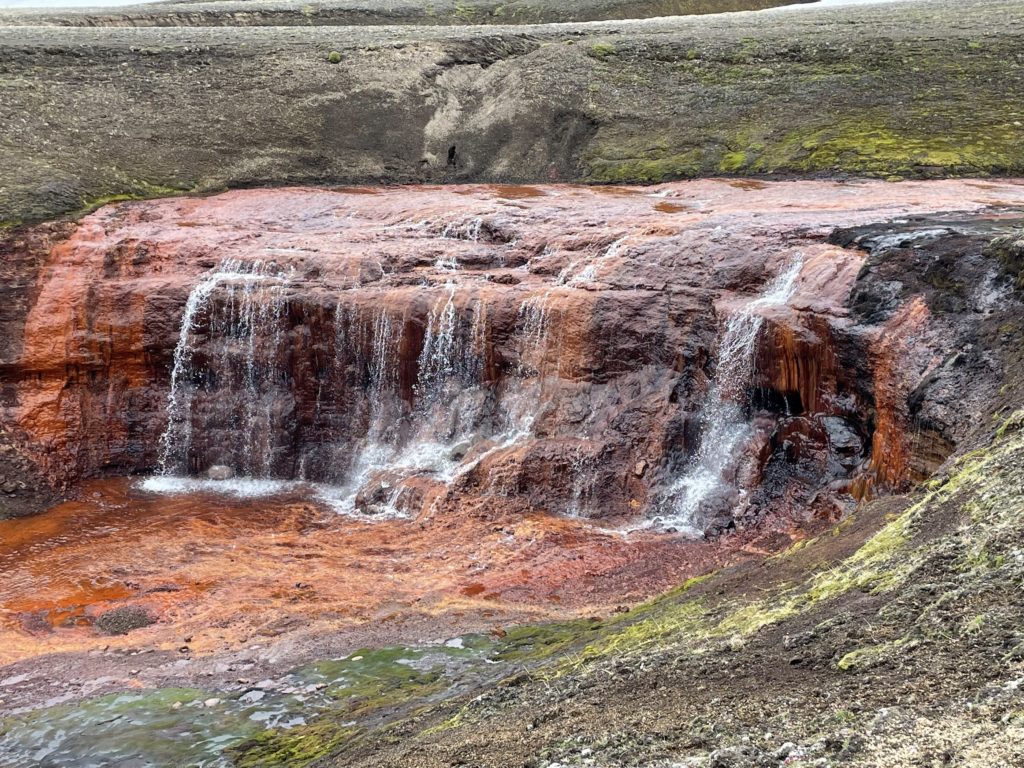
{"x":428,"y":436}
{"x":725,"y":429}
{"x":245,"y":332}
{"x":438,"y":361}
{"x":373,"y":420}
{"x":533,"y":322}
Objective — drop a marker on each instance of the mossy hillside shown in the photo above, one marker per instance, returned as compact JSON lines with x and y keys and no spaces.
{"x":905,"y":90}
{"x":941,"y":113}
{"x":983,"y":485}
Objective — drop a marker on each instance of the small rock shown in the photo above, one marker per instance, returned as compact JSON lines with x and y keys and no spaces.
{"x":14,"y":680}
{"x":211,"y":702}
{"x":220,"y":472}
{"x":784,"y":751}
{"x":121,"y":621}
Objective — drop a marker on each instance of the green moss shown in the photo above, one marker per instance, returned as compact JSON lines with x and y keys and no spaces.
{"x":877,"y":144}
{"x":674,"y":622}
{"x":140,"y":190}
{"x":974,"y":625}
{"x":467,"y":14}
{"x":334,"y":57}
{"x":792,"y":549}
{"x":294,"y":747}
{"x":653,"y":170}
{"x":732,"y":162}
{"x":947,"y":120}
{"x":1013,"y":423}
{"x":602,"y":50}
{"x":843,"y":717}
{"x":866,"y":658}
{"x":538,"y":642}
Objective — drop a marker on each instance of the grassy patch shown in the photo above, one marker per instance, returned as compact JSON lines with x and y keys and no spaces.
{"x":601,"y":50}
{"x":293,"y":747}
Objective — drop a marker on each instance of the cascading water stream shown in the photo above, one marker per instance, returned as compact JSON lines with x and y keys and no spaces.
{"x":424,"y":437}
{"x":226,"y":321}
{"x":725,"y":428}
{"x":361,"y":433}
{"x":569,"y":276}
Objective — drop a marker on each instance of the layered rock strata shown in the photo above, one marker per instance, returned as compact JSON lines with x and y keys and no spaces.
{"x":428,"y":350}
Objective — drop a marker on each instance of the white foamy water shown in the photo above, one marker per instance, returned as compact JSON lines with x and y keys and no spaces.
{"x":338,"y":499}
{"x":725,"y":429}
{"x":239,"y":487}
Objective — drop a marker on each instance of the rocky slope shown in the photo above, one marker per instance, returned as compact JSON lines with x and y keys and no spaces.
{"x":899,"y":645}
{"x":910,"y":89}
{"x":202,"y":13}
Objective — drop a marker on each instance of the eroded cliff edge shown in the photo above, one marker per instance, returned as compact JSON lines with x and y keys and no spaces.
{"x":557,"y":348}
{"x":930,"y":88}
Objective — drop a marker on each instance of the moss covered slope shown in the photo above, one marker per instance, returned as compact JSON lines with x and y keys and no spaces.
{"x":922,"y":89}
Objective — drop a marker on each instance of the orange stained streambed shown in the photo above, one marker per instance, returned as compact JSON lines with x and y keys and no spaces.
{"x":222,"y":571}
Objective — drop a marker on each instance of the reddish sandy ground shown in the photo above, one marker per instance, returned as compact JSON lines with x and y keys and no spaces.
{"x":225,"y":571}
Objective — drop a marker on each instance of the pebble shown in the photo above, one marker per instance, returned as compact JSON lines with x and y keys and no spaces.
{"x":211,"y":702}
{"x":784,"y":751}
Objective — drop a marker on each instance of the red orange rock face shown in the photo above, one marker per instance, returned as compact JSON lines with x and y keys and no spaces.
{"x":584,"y":324}
{"x":628,"y":288}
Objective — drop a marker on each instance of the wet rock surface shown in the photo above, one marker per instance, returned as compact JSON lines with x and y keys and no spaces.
{"x":582,"y":349}
{"x":330,"y":334}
